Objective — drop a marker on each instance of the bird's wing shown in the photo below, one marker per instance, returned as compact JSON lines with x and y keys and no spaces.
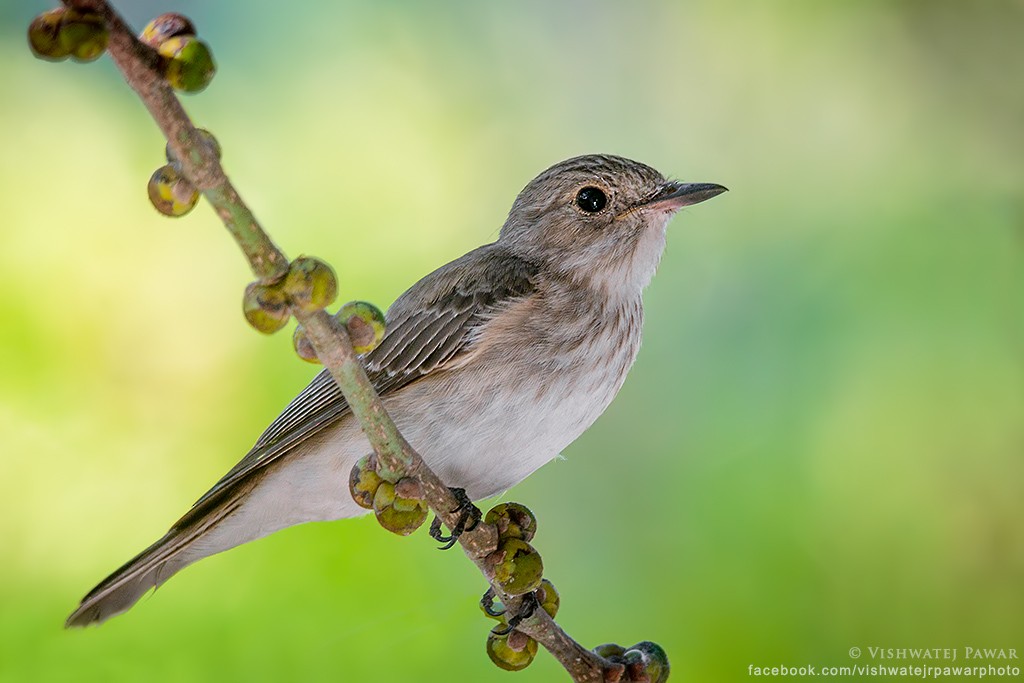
{"x":430,"y":328}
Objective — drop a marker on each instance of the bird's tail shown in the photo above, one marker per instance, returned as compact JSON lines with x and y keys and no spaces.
{"x":203,"y":531}
{"x":312,"y":488}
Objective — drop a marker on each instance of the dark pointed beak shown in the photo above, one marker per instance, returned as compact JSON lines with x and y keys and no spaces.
{"x":674,"y":196}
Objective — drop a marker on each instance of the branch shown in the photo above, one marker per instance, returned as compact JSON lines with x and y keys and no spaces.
{"x":140,"y":65}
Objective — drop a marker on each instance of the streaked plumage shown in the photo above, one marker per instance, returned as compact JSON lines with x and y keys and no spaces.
{"x":490,"y":366}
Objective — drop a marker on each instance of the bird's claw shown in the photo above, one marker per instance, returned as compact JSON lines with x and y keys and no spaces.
{"x":487,"y":604}
{"x":526,"y":609}
{"x":469,"y":517}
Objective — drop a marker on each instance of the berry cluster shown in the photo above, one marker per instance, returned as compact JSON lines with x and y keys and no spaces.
{"x":185,"y":61}
{"x":365,"y":324}
{"x":646,"y":662}
{"x":186,"y":64}
{"x":170,"y":193}
{"x":61,"y":33}
{"x":515,"y":566}
{"x":398,"y":505}
{"x":309,"y":285}
{"x":508,"y":648}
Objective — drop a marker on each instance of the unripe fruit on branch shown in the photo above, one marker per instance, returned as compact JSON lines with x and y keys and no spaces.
{"x":164,"y":27}
{"x":513,"y":651}
{"x":61,"y":33}
{"x":513,"y":521}
{"x":516,"y":566}
{"x":83,"y":35}
{"x":310,"y":284}
{"x":170,"y":193}
{"x":44,"y":35}
{"x":265,"y":307}
{"x":400,"y":507}
{"x":548,"y":598}
{"x":651,"y":659}
{"x":365,"y":325}
{"x":364,"y":480}
{"x":205,"y":137}
{"x":303,"y":347}
{"x":644,"y":661}
{"x":188,"y":64}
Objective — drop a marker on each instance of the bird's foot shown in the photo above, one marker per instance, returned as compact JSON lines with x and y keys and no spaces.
{"x":529,"y":605}
{"x":487,"y":605}
{"x":469,"y":517}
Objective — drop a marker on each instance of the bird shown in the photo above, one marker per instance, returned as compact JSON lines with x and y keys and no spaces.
{"x":490,"y":366}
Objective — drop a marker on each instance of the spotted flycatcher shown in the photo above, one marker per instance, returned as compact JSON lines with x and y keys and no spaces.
{"x":490,"y":366}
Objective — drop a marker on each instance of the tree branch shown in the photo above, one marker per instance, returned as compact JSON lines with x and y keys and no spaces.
{"x":199,"y":165}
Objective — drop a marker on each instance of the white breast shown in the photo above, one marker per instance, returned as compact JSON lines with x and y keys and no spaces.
{"x":519,"y":404}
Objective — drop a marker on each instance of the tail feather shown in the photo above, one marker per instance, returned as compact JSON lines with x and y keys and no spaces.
{"x":313,"y":487}
{"x":124,"y":590}
{"x":187,"y":541}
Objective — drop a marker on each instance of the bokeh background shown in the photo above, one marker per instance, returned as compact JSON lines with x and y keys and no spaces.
{"x":821,"y":445}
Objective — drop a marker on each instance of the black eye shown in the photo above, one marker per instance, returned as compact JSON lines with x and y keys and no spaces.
{"x":591,"y":199}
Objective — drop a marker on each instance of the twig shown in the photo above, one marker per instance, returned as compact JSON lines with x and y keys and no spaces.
{"x":138,"y":62}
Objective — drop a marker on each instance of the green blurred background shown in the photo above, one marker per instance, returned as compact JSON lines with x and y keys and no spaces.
{"x":821,"y":445}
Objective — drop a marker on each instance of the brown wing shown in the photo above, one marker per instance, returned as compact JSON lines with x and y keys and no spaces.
{"x":429,"y":328}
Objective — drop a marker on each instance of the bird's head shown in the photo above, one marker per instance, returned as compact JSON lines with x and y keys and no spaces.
{"x":599,"y":218}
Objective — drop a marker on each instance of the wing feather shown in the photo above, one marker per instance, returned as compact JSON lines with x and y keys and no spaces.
{"x":429,"y":328}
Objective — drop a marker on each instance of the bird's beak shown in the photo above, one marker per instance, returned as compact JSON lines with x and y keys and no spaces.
{"x":674,"y":196}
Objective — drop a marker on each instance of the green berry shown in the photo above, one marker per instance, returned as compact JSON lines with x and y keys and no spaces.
{"x":609,"y":650}
{"x":651,"y":658}
{"x":44,"y":36}
{"x":164,"y":27}
{"x":548,"y":597}
{"x":513,"y":651}
{"x":396,"y":513}
{"x":365,"y":324}
{"x":384,"y":496}
{"x":189,"y":65}
{"x":265,"y":307}
{"x":204,"y":137}
{"x":513,"y":521}
{"x":634,"y":663}
{"x":364,"y":481}
{"x":310,"y":284}
{"x":517,"y":566}
{"x":170,"y":193}
{"x":408,"y":495}
{"x":84,"y":35}
{"x":303,"y":347}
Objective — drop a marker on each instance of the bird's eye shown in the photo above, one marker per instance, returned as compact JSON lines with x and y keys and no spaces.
{"x":591,"y":199}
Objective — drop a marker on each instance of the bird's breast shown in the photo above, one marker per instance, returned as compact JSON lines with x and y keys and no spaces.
{"x":542,"y":372}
